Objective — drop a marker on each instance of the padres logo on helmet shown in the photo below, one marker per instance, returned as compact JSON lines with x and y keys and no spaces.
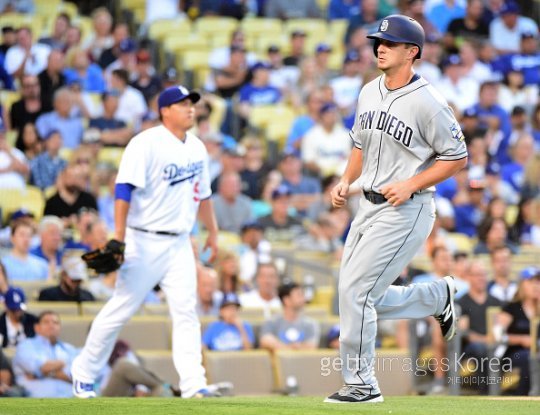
{"x":399,"y":29}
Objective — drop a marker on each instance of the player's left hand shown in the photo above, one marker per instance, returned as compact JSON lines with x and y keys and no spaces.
{"x":212,"y":244}
{"x":397,"y":193}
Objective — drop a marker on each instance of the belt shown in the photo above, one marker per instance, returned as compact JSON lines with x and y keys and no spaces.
{"x":376,"y":198}
{"x":165,"y":233}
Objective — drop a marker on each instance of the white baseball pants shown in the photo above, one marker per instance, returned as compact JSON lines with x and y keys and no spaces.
{"x":150,"y":260}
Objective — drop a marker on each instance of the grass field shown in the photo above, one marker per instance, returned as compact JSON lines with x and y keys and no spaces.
{"x":270,"y":406}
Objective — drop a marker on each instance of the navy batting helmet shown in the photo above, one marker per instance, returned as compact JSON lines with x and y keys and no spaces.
{"x":400,"y":29}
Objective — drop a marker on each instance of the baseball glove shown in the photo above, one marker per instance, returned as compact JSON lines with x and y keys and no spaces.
{"x":106,"y":259}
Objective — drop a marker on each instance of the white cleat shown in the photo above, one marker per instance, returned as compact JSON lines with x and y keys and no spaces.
{"x":83,"y":390}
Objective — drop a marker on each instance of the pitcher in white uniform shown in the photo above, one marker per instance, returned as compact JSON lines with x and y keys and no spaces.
{"x":162,"y":184}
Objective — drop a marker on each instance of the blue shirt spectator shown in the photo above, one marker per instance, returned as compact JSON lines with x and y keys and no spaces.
{"x":259,"y":95}
{"x":343,"y":9}
{"x":300,"y":127}
{"x":443,"y":13}
{"x":71,"y":128}
{"x":527,"y":61}
{"x":31,"y":268}
{"x":6,"y":82}
{"x":32,"y":355}
{"x":44,"y":170}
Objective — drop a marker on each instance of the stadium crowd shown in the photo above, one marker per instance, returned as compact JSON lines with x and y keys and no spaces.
{"x":73,"y":98}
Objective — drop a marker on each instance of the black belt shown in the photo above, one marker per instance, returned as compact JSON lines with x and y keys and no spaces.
{"x":155,"y":232}
{"x":376,"y":198}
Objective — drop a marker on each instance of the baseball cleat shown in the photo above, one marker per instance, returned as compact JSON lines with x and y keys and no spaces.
{"x":83,"y":390}
{"x":448,"y":319}
{"x":206,"y":393}
{"x":353,"y":394}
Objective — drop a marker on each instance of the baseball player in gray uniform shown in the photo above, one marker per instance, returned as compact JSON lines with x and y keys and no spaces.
{"x":406,"y":139}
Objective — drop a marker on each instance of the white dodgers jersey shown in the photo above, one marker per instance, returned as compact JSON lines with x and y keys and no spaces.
{"x":170,"y":178}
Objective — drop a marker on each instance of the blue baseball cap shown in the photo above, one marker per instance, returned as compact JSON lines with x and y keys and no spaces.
{"x":21,"y":213}
{"x":329,"y":106}
{"x":529,"y":272}
{"x":452,"y":60}
{"x":230,"y":299}
{"x":15,"y":299}
{"x":323,"y":48}
{"x":509,"y":7}
{"x":261,"y":65}
{"x":175,"y":94}
{"x":351,"y":56}
{"x":281,"y":191}
{"x":127,"y":45}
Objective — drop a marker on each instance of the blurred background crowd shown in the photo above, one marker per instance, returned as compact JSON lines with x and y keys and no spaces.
{"x":279,"y":83}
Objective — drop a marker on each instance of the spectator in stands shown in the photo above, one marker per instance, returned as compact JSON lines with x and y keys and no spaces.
{"x":285,"y":10}
{"x":105,"y":200}
{"x":304,"y":190}
{"x":303,"y":123}
{"x":113,"y":131}
{"x":323,"y":152}
{"x":505,"y":31}
{"x":258,"y":92}
{"x":265,"y":293}
{"x":81,"y":224}
{"x":523,"y":231}
{"x":501,"y":286}
{"x":232,"y":161}
{"x":458,"y":90}
{"x":4,"y":285}
{"x":297,"y":53}
{"x":13,"y":164}
{"x":322,"y":57}
{"x":125,"y":61}
{"x":469,"y":204}
{"x":72,"y":275}
{"x":472,"y":322}
{"x":87,"y":73}
{"x":230,"y":332}
{"x":70,"y":127}
{"x":347,"y":86}
{"x":515,"y":320}
{"x":73,"y":37}
{"x":9,"y":38}
{"x":473,"y":68}
{"x":531,"y":183}
{"x":290,"y":330}
{"x":108,"y":56}
{"x":100,"y":38}
{"x":20,"y":264}
{"x":253,"y":250}
{"x":228,"y":269}
{"x":493,"y":235}
{"x":283,"y":77}
{"x":368,"y":18}
{"x":29,"y":107}
{"x":50,"y":248}
{"x":26,"y":57}
{"x":232,"y":208}
{"x":46,"y":167}
{"x":279,"y":226}
{"x":57,"y":38}
{"x":131,"y":103}
{"x":324,"y":202}
{"x":221,"y":58}
{"x":256,"y":168}
{"x":15,"y":323}
{"x":428,"y":66}
{"x":469,"y":26}
{"x":521,"y":152}
{"x":71,"y":196}
{"x":42,"y":364}
{"x":415,"y":9}
{"x":146,"y":79}
{"x":442,"y":13}
{"x":324,"y":236}
{"x":208,"y":295}
{"x":526,"y":61}
{"x":8,"y":389}
{"x":52,"y":77}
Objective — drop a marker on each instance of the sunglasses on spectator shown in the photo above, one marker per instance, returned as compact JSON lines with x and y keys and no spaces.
{"x":83,"y":161}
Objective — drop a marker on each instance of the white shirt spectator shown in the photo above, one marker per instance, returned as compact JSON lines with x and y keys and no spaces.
{"x":252,"y":299}
{"x":131,"y":106}
{"x":162,"y":9}
{"x":328,"y":150}
{"x":220,"y":57}
{"x":503,"y":38}
{"x":480,"y":72}
{"x":36,"y":62}
{"x":285,"y":77}
{"x":463,"y":95}
{"x":428,"y":71}
{"x":346,"y":90}
{"x":526,"y":97}
{"x":11,"y":179}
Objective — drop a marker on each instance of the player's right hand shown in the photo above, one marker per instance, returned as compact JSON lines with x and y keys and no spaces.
{"x":339,"y":194}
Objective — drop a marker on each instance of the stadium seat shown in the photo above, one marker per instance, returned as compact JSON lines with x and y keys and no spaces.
{"x":85,"y":24}
{"x":111,"y":155}
{"x":159,"y":29}
{"x":314,"y":28}
{"x":32,"y":288}
{"x":250,"y":371}
{"x":179,"y":44}
{"x":326,"y":324}
{"x":250,"y":313}
{"x":9,"y":202}
{"x":265,"y":40}
{"x":9,"y":97}
{"x":338,"y":28}
{"x":253,"y":27}
{"x":324,"y":296}
{"x":155,"y":309}
{"x":75,"y":329}
{"x":160,"y":363}
{"x":461,"y":241}
{"x":209,"y":25}
{"x":156,"y":333}
{"x":16,"y":20}
{"x":32,"y":199}
{"x":316,"y":312}
{"x":63,"y":308}
{"x":261,"y":116}
{"x":90,"y":308}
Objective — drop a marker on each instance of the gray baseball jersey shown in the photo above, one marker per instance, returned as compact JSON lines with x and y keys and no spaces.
{"x":403,"y":131}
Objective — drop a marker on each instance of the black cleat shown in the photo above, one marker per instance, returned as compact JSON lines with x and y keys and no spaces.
{"x":353,"y":394}
{"x":448,"y":319}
